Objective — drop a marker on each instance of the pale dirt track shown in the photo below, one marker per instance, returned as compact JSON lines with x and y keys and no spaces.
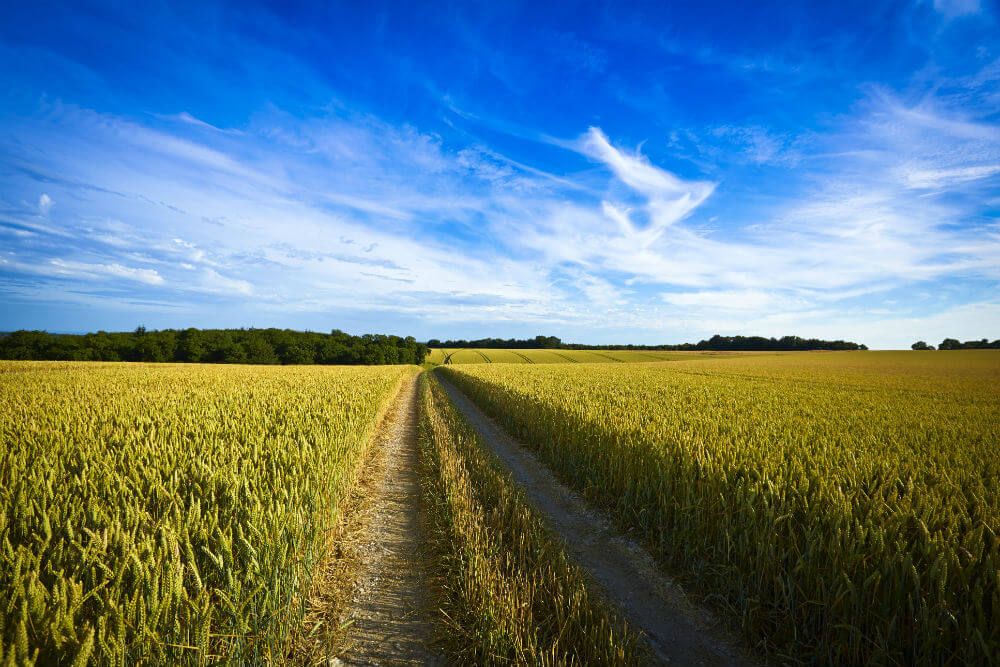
{"x":389,"y":612}
{"x":679,"y":631}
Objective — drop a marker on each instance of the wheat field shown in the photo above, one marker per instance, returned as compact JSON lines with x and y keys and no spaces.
{"x":843,"y":506}
{"x":837,"y":508}
{"x":170,"y":512}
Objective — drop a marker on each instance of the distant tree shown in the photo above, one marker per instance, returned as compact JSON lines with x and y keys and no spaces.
{"x":547,"y":342}
{"x":234,"y":354}
{"x":191,"y":347}
{"x":296,"y":354}
{"x":149,"y":350}
{"x":390,"y":354}
{"x":64,"y":348}
{"x":373,"y":355}
{"x":102,"y":346}
{"x":259,"y":351}
{"x":226,"y":350}
{"x":333,"y":351}
{"x":981,"y":344}
{"x":356,"y":353}
{"x":950,"y":344}
{"x":921,"y":345}
{"x":25,"y":345}
{"x":716,"y":342}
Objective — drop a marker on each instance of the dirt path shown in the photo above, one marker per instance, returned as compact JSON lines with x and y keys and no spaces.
{"x":389,"y":613}
{"x":679,"y":631}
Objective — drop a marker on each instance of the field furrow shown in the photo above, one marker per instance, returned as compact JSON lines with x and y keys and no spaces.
{"x":678,"y":630}
{"x":507,"y":592}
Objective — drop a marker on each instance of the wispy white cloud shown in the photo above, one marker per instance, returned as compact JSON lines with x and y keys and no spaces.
{"x":670,"y":198}
{"x":185,"y":117}
{"x":62,"y":267}
{"x":213,"y":281}
{"x":938,"y":178}
{"x":754,"y":144}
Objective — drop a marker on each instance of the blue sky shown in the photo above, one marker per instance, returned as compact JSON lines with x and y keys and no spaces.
{"x":600,"y":172}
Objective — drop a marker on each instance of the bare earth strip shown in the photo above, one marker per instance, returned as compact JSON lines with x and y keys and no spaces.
{"x":389,"y":615}
{"x":679,"y":631}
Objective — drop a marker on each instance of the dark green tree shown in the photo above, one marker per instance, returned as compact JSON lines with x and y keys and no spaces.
{"x":259,"y":351}
{"x":191,"y":347}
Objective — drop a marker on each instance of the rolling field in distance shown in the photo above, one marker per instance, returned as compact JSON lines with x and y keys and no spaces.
{"x":843,"y":506}
{"x":170,"y":512}
{"x":539,"y":356}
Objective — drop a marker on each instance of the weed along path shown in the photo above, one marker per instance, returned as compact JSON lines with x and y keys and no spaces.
{"x":679,"y":631}
{"x":389,"y":614}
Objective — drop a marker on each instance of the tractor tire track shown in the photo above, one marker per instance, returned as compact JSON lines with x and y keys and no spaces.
{"x":679,"y":631}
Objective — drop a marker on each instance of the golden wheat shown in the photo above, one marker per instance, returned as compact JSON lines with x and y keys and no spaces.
{"x":508,"y":593}
{"x":170,"y":513}
{"x":846,"y":506}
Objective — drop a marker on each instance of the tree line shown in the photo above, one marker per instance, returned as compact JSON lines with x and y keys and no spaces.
{"x":716,"y":342}
{"x":538,"y":342}
{"x":954,"y":344}
{"x":226,"y":346}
